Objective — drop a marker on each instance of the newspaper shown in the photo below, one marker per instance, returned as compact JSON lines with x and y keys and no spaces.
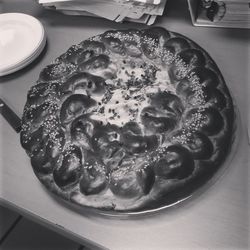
{"x":141,"y":11}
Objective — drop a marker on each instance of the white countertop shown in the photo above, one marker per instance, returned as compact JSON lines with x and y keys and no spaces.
{"x":217,"y":219}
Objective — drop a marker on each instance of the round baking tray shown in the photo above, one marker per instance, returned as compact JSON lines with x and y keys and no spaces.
{"x":165,"y":203}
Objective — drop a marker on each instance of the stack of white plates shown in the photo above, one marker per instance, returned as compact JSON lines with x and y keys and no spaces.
{"x":22,"y":39}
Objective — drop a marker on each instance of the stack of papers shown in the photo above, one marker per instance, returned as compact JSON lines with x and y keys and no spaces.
{"x":141,"y":11}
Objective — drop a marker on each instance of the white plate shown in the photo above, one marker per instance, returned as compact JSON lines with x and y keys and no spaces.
{"x":22,"y":40}
{"x":25,"y":62}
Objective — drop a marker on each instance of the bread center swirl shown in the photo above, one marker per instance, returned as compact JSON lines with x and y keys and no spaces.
{"x":128,"y":94}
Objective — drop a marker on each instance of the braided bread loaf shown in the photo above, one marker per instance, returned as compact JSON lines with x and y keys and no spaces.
{"x":128,"y":121}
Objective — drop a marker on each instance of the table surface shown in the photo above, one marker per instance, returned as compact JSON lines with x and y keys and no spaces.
{"x":216,"y":219}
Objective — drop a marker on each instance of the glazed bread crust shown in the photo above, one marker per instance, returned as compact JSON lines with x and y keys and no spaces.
{"x":129,"y":120}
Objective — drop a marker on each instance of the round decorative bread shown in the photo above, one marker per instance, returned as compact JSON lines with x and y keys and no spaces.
{"x":128,"y":121}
